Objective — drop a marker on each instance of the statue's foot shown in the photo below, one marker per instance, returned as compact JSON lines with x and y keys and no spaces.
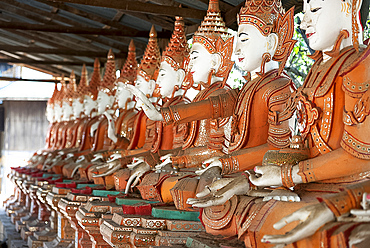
{"x":282,"y":195}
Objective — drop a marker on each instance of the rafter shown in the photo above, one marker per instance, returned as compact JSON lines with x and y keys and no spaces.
{"x":41,"y":62}
{"x":78,"y":30}
{"x":136,"y":6}
{"x":46,"y":17}
{"x":84,"y":53}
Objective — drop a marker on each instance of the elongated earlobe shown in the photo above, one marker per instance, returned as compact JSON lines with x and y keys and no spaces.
{"x":272,"y":43}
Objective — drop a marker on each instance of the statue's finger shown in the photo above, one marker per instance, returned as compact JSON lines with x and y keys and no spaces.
{"x":286,"y":220}
{"x":204,"y":192}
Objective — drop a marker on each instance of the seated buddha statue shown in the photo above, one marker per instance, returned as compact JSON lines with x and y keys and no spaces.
{"x":209,"y":66}
{"x":332,"y":113}
{"x":143,"y":130}
{"x":259,"y":120}
{"x":167,"y":139}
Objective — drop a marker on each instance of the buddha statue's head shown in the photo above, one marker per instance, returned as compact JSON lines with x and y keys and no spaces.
{"x":171,"y":73}
{"x":107,"y":87}
{"x":149,"y":64}
{"x":128,"y":75}
{"x":69,"y":90}
{"x":210,"y":55}
{"x":78,"y":99}
{"x":261,"y":42}
{"x":324,"y":20}
{"x":91,"y":93}
{"x":50,"y":112}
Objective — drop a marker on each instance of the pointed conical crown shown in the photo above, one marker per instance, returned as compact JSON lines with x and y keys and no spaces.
{"x":51,"y":100}
{"x":83,"y":86}
{"x":108,"y":83}
{"x":211,"y":28}
{"x":70,"y":89}
{"x":177,"y":49}
{"x":95,"y":81}
{"x":261,"y":13}
{"x":129,"y":69}
{"x":59,"y":98}
{"x":152,"y":57}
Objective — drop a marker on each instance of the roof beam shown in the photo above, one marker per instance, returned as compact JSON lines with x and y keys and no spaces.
{"x":84,"y":53}
{"x":230,"y":16}
{"x":96,"y":18}
{"x":44,"y":68}
{"x":78,"y":30}
{"x":41,"y":62}
{"x":49,"y":17}
{"x":136,"y":6}
{"x":29,"y":80}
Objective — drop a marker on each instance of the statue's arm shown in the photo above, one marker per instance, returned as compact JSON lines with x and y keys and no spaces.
{"x":211,"y":108}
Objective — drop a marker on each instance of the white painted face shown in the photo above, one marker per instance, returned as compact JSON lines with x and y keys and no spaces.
{"x":200,"y":63}
{"x":67,"y":111}
{"x":323,"y":20}
{"x":168,"y":78}
{"x":89,"y":105}
{"x":143,"y":85}
{"x":50,"y":113}
{"x":250,"y":47}
{"x":78,"y":107}
{"x":104,"y":102}
{"x":122,"y":95}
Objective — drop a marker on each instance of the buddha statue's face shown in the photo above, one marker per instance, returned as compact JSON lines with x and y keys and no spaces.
{"x":67,"y":111}
{"x":250,"y":47}
{"x":78,"y":107}
{"x":201,"y":62}
{"x":122,"y":95}
{"x":323,"y":20}
{"x":167,"y":79}
{"x":50,"y":113}
{"x":104,"y":102}
{"x":89,"y":104}
{"x":143,"y":85}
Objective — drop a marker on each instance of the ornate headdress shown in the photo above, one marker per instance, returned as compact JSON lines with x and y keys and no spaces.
{"x":59,"y":98}
{"x":51,"y":100}
{"x":108,"y":85}
{"x":70,"y":89}
{"x":177,"y":49}
{"x":129,"y":69}
{"x":212,"y":34}
{"x":152,"y":57}
{"x":95,"y":81}
{"x":268,"y":16}
{"x":83,"y":86}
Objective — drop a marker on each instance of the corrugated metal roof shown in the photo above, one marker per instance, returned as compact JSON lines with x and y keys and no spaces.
{"x":24,"y":13}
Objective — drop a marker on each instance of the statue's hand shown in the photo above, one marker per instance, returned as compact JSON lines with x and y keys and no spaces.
{"x":114,"y":156}
{"x":110,"y":167}
{"x":237,"y":186}
{"x":145,"y":103}
{"x":311,"y":218}
{"x":80,"y":159}
{"x":166,"y":159}
{"x":111,"y":127}
{"x":136,"y":173}
{"x":209,"y":163}
{"x":135,"y":162}
{"x":270,"y":175}
{"x":96,"y":157}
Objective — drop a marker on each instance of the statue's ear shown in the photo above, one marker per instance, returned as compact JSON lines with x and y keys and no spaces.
{"x":216,"y":61}
{"x":272,"y":43}
{"x":151,"y":86}
{"x":180,"y":73}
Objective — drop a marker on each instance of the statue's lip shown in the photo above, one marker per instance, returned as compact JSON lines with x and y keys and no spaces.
{"x":240,"y":59}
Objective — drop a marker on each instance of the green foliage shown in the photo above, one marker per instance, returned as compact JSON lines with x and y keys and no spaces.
{"x":299,"y":63}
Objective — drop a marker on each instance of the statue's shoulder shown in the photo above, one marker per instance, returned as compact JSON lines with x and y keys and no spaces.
{"x":356,"y":74}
